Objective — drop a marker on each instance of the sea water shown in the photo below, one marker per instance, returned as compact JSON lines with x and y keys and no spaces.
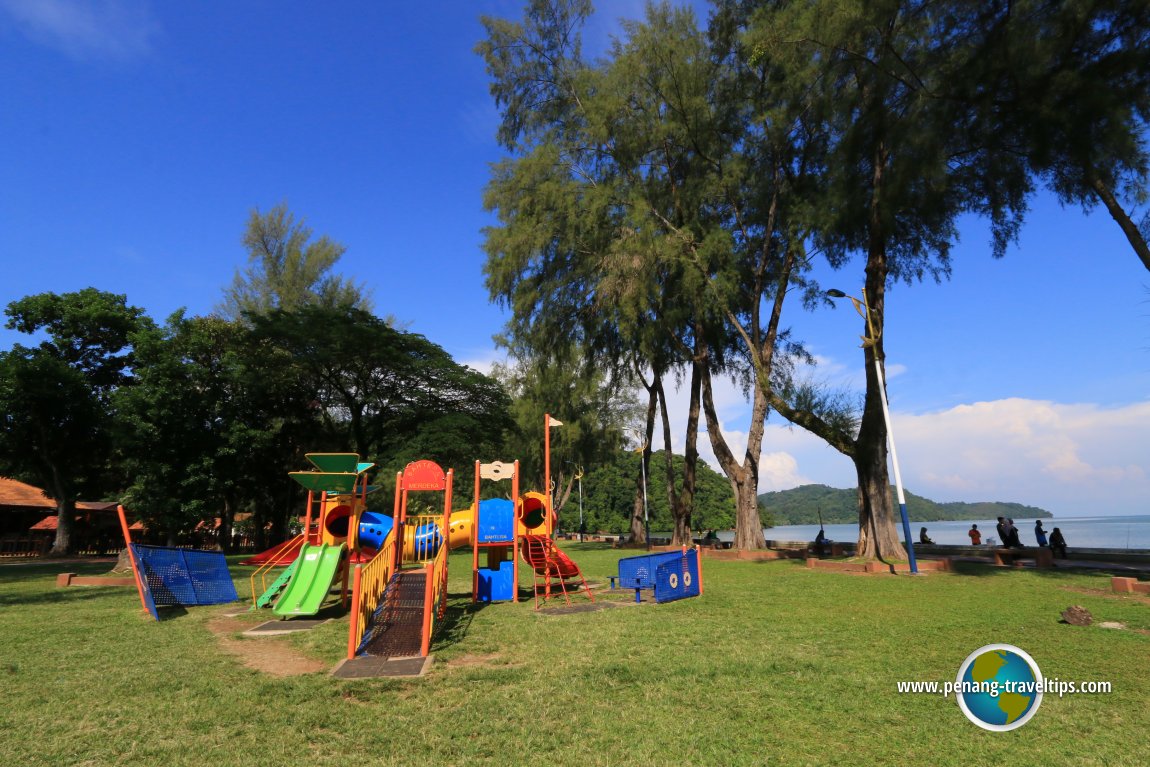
{"x":1129,"y":532}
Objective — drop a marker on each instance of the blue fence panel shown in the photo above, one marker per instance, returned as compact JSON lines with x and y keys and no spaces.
{"x":184,"y":577}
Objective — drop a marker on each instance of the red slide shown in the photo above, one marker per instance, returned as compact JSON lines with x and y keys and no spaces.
{"x":540,"y":552}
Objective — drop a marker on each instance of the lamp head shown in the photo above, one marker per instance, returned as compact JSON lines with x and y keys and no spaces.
{"x":836,"y":293}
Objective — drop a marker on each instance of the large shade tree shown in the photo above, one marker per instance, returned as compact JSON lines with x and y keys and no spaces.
{"x":288,"y":269}
{"x":634,"y":209}
{"x":389,"y":395}
{"x":56,"y":417}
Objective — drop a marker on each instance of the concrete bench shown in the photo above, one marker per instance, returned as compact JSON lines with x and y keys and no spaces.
{"x":1042,"y":556}
{"x":830,"y":549}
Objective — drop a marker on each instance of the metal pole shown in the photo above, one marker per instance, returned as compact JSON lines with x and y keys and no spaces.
{"x":547,"y":469}
{"x":897,"y":474}
{"x":871,"y":340}
{"x":580,"y":479}
{"x":890,"y":435}
{"x":643,"y":471}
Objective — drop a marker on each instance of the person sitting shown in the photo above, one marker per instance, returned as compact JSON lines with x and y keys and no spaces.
{"x":923,"y":537}
{"x":821,"y":542}
{"x":1058,"y":543}
{"x":710,"y":539}
{"x":1039,"y":533}
{"x":1011,"y":540}
{"x":975,"y":535}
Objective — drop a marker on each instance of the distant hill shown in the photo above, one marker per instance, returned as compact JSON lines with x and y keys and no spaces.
{"x":801,"y":506}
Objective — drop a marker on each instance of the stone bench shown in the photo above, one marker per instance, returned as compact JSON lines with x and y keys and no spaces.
{"x":1042,"y":556}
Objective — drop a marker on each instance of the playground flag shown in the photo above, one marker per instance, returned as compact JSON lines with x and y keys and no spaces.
{"x":553,"y":421}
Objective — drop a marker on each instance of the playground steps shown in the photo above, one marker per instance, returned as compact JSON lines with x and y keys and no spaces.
{"x":274,"y":590}
{"x":398,"y":626}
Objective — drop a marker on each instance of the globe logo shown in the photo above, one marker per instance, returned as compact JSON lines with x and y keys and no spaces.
{"x":999,"y":687}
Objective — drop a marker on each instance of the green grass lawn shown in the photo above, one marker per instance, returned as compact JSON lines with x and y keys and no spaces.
{"x":775,"y":664}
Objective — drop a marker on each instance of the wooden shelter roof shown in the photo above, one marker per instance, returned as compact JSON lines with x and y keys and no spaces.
{"x":24,"y":496}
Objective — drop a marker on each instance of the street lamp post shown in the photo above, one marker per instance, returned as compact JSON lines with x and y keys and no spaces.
{"x":643,"y":472}
{"x":872,"y":341}
{"x":579,"y":479}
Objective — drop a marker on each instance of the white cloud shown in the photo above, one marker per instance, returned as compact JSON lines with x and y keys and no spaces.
{"x":100,"y":29}
{"x":1068,"y":458}
{"x":780,"y":471}
{"x":1071,"y":459}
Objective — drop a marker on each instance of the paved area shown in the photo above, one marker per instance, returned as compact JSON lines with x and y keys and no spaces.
{"x":372,"y":667}
{"x":278,"y":628}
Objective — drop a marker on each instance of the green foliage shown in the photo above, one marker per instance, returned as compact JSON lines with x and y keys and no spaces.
{"x":803,"y":505}
{"x":55,"y":413}
{"x":609,"y":496}
{"x":389,"y":395}
{"x":593,"y":412}
{"x":288,"y":270}
{"x":87,"y":330}
{"x":211,"y":427}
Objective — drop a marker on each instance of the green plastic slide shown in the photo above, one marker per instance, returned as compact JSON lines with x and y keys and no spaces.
{"x":316,"y":569}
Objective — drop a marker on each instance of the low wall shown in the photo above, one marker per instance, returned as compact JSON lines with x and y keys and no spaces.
{"x":1122,"y":585}
{"x":71,"y":579}
{"x":875,"y":567}
{"x":1072,"y":552}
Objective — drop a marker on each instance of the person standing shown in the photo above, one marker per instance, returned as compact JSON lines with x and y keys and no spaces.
{"x":1039,"y":533}
{"x":975,"y":535}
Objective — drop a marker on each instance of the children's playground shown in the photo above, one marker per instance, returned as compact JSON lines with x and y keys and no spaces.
{"x":384,"y":568}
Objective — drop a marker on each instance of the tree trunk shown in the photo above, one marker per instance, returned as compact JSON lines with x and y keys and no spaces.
{"x":748,"y":524}
{"x":123,"y":562}
{"x":744,"y":477}
{"x":878,"y":532}
{"x":65,"y":523}
{"x":65,"y":515}
{"x":682,"y":503}
{"x":1118,"y":213}
{"x":878,"y":535}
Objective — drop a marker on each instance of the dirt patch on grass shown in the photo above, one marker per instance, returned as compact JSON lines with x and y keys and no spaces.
{"x":270,"y":655}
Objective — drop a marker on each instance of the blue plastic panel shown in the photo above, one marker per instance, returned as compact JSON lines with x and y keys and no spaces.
{"x":639,"y":572}
{"x":496,"y":521}
{"x":496,"y":585}
{"x":678,"y":578}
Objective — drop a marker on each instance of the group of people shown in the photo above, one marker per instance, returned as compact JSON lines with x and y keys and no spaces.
{"x":1008,"y":534}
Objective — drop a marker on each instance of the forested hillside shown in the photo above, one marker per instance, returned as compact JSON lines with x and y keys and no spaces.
{"x":802,"y":506}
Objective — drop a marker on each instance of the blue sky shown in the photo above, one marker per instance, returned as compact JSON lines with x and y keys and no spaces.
{"x":139,"y":136}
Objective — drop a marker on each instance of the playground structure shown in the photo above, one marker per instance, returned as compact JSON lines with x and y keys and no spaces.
{"x":320,"y":554}
{"x":391,"y":570}
{"x":500,"y":525}
{"x":670,"y":575}
{"x":173,"y":577}
{"x":401,"y":592}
